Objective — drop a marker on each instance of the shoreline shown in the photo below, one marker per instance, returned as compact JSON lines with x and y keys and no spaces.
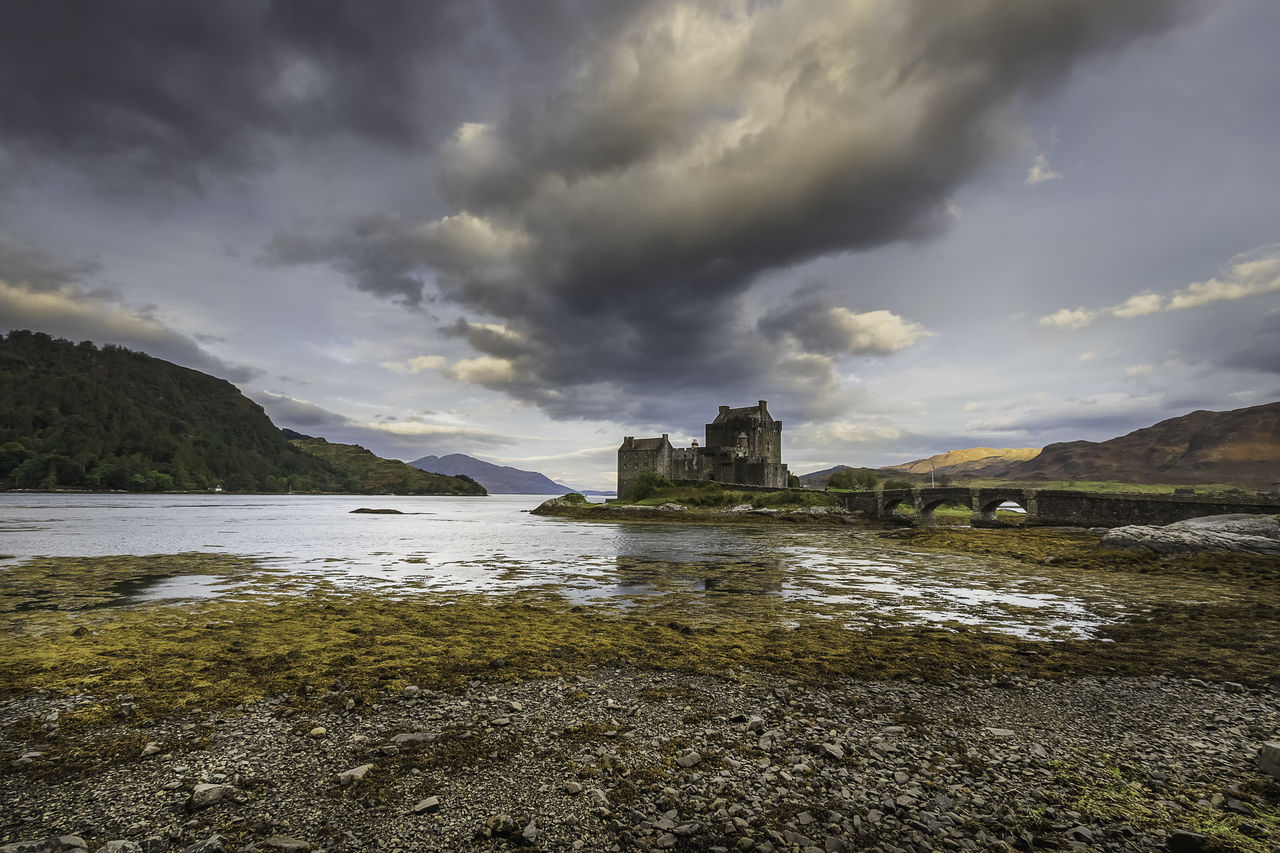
{"x":521,"y":704}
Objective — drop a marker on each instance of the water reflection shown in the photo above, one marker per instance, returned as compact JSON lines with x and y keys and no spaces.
{"x":492,"y":545}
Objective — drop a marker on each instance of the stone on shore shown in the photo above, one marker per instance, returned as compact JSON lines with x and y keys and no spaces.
{"x":287,"y":844}
{"x":213,"y":844}
{"x":55,"y":844}
{"x":1269,"y":758}
{"x":1250,"y":534}
{"x":206,"y":794}
{"x":354,"y":776}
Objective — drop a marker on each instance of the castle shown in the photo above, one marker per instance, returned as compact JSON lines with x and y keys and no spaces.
{"x":743,"y":447}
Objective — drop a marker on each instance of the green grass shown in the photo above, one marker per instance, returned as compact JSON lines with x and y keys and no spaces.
{"x":1108,"y":486}
{"x":712,"y":495}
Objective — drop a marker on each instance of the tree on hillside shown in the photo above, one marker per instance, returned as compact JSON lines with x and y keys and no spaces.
{"x":854,"y":479}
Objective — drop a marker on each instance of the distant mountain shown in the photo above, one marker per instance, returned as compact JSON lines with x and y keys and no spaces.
{"x":497,"y":479}
{"x":1240,"y":447}
{"x":970,"y":462}
{"x":818,"y":479}
{"x":373,"y":475}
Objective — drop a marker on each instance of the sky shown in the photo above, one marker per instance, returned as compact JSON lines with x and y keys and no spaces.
{"x":521,"y":231}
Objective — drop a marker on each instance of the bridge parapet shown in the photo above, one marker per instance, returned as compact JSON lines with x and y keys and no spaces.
{"x":1056,"y":506}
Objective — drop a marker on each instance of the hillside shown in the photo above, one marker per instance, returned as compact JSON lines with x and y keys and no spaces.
{"x":1240,"y":447}
{"x":969,"y":462}
{"x":370,"y":474}
{"x":497,"y":479}
{"x":818,"y":479}
{"x":76,"y":416}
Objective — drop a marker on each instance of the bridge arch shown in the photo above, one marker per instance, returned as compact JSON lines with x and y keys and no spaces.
{"x":928,"y":505}
{"x":889,"y":510}
{"x":988,"y":505}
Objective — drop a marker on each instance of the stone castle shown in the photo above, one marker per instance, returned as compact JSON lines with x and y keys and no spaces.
{"x":743,"y":447}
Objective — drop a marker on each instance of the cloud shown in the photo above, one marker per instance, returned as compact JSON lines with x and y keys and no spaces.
{"x":48,"y":294}
{"x":485,"y":370}
{"x":1138,"y":371}
{"x":1068,"y":318}
{"x":1040,"y":172}
{"x":1260,"y":350}
{"x":1107,"y":413}
{"x":1249,"y":274}
{"x":292,"y":412}
{"x":1139,"y":304}
{"x":23,"y":265}
{"x":837,"y":330}
{"x":614,"y":215}
{"x":417,"y":364}
{"x":417,"y":435}
{"x":180,"y":93}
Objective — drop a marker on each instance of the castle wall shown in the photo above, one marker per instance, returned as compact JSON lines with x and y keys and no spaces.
{"x":685,"y":464}
{"x":649,"y":455}
{"x":743,"y":447}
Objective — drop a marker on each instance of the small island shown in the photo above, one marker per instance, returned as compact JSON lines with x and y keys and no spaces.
{"x":655,"y":498}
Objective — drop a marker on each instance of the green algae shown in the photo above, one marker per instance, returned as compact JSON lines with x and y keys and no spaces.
{"x":224,"y":652}
{"x":1079,"y":549}
{"x":76,"y":583}
{"x":281,"y":633}
{"x":1116,"y":794}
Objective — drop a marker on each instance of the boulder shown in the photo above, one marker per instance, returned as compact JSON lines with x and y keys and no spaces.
{"x":213,"y":844}
{"x":1269,"y":758}
{"x":54,"y":844}
{"x":354,"y":776}
{"x":207,"y":794}
{"x":1250,"y":534}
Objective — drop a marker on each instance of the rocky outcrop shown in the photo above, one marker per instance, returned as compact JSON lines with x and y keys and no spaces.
{"x":1250,"y":534}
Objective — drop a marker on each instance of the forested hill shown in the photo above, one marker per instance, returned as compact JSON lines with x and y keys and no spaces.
{"x":79,"y":416}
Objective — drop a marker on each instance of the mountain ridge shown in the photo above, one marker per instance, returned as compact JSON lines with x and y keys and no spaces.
{"x":1238,"y":446}
{"x":497,"y":479}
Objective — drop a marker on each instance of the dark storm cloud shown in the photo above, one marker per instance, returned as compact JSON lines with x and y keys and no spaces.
{"x":373,"y":253}
{"x":613,"y":217}
{"x":816,"y":327}
{"x":1260,"y":350}
{"x":24,"y":265}
{"x":177,"y":90}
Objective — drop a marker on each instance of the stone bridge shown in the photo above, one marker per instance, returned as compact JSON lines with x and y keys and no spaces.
{"x":1055,"y":506}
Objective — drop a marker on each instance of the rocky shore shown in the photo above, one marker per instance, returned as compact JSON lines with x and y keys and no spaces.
{"x":675,"y":511}
{"x":622,"y":758}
